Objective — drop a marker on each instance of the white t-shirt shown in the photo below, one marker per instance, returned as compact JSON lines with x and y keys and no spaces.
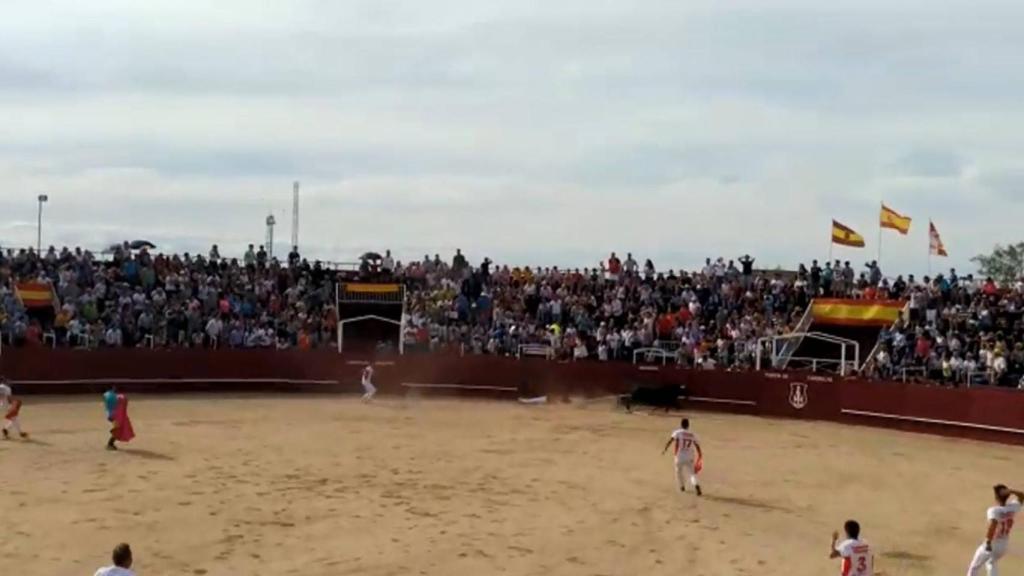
{"x":114,"y":571}
{"x":368,"y":375}
{"x":857,"y":559}
{"x":685,"y":447}
{"x":1003,"y":515}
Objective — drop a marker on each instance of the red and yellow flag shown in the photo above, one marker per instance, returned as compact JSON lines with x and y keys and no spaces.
{"x":845,"y":236}
{"x":935,"y":245}
{"x":894,"y":220}
{"x":847,"y":312}
{"x":35,"y":294}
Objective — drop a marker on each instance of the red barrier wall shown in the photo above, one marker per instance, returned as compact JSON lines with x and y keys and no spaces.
{"x":988,"y":414}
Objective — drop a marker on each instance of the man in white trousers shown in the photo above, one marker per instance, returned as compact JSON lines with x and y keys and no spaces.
{"x":688,"y":455}
{"x":9,"y":408}
{"x":997,"y":538}
{"x":369,"y":390}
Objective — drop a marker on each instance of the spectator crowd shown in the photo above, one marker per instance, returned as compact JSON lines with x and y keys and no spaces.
{"x":955,"y":329}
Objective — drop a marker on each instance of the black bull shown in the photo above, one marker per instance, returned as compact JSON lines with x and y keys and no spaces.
{"x":667,"y":396}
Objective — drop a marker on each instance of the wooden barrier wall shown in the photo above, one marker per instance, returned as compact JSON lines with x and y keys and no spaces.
{"x":986,"y":414}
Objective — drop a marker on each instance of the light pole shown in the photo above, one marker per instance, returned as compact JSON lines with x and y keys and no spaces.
{"x":43,"y":198}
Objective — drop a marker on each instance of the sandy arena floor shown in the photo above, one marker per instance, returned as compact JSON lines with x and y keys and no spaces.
{"x":328,"y":486}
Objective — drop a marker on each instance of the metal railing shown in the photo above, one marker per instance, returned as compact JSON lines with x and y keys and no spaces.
{"x":782,"y":359}
{"x":652,"y":354}
{"x":535,"y":350}
{"x":841,"y":366}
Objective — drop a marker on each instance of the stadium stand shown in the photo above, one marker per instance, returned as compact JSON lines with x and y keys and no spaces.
{"x":949,"y":329}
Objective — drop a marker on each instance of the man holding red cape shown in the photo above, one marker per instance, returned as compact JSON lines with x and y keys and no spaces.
{"x":117,"y":414}
{"x":689,"y":456}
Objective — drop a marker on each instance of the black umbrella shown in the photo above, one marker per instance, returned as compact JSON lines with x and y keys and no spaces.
{"x":371,"y":256}
{"x":140,"y":244}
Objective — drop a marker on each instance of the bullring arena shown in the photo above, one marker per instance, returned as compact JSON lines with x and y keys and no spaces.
{"x":238,"y":481}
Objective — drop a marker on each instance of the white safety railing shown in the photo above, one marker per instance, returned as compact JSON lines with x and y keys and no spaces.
{"x":978,"y":378}
{"x":535,"y":350}
{"x":651,"y":355}
{"x":781,"y":359}
{"x":844,"y":362}
{"x":908,"y":372}
{"x":823,"y":363}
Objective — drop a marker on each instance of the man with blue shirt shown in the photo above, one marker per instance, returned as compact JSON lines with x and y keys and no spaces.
{"x":110,"y":404}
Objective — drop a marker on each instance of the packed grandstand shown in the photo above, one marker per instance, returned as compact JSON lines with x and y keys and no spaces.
{"x":952,"y":330}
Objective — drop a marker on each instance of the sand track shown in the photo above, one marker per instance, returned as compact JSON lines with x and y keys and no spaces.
{"x":325,"y":486}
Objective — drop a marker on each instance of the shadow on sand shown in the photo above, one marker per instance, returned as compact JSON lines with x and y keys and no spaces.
{"x":30,"y":440}
{"x":146,"y":454}
{"x":746,"y":502}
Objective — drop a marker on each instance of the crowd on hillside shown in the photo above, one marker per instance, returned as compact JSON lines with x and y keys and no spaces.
{"x":713,"y":317}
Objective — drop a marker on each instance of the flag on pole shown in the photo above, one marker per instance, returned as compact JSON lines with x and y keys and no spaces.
{"x":935,"y":245}
{"x":894,"y":220}
{"x":845,"y":236}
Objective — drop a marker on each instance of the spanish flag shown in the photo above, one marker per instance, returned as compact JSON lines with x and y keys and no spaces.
{"x":35,"y":294}
{"x":845,"y":312}
{"x":845,"y":236}
{"x":935,"y":245}
{"x":893,"y":219}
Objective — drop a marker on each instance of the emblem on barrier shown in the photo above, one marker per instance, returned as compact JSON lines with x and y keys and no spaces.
{"x":798,"y":395}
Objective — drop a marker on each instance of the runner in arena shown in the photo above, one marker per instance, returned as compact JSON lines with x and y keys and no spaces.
{"x":856,"y":554}
{"x":1000,"y":523}
{"x":686,"y":446}
{"x":368,"y":388}
{"x":10,"y":406}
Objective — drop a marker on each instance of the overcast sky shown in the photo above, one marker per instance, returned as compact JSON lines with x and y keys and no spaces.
{"x":533,"y":132}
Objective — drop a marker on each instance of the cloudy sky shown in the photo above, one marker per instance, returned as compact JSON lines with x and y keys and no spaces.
{"x":538,"y":132}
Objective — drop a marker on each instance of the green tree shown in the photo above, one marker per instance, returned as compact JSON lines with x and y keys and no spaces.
{"x":1005,"y":264}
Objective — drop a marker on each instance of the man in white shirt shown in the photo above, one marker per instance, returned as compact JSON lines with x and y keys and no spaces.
{"x":997,"y":538}
{"x":369,"y":390}
{"x":631,"y":265}
{"x":856,"y":554}
{"x":688,"y":455}
{"x":9,"y":408}
{"x":213,"y":329}
{"x":122,"y":566}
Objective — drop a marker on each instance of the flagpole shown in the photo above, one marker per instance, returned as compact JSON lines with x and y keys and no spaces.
{"x":929,"y":247}
{"x":880,"y":205}
{"x":830,"y":242}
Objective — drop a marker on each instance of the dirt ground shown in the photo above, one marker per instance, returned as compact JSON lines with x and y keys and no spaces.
{"x":319,"y":485}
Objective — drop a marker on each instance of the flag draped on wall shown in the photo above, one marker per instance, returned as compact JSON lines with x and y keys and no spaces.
{"x":935,"y":245}
{"x":35,"y":294}
{"x":845,"y":312}
{"x":894,"y":220}
{"x":845,"y":236}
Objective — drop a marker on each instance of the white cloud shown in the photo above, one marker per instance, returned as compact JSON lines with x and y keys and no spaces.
{"x":547,"y":133}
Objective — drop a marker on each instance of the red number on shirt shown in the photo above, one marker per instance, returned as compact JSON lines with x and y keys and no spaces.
{"x":1004,"y":527}
{"x":686,"y":444}
{"x":862,"y":564}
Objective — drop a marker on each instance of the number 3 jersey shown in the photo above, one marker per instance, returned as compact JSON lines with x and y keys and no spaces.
{"x":857,"y":560}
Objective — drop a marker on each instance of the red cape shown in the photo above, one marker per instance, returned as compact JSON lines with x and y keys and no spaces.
{"x":12,"y":412}
{"x":123,"y":431}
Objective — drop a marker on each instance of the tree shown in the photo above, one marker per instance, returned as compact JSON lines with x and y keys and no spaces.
{"x":1004,"y":265}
